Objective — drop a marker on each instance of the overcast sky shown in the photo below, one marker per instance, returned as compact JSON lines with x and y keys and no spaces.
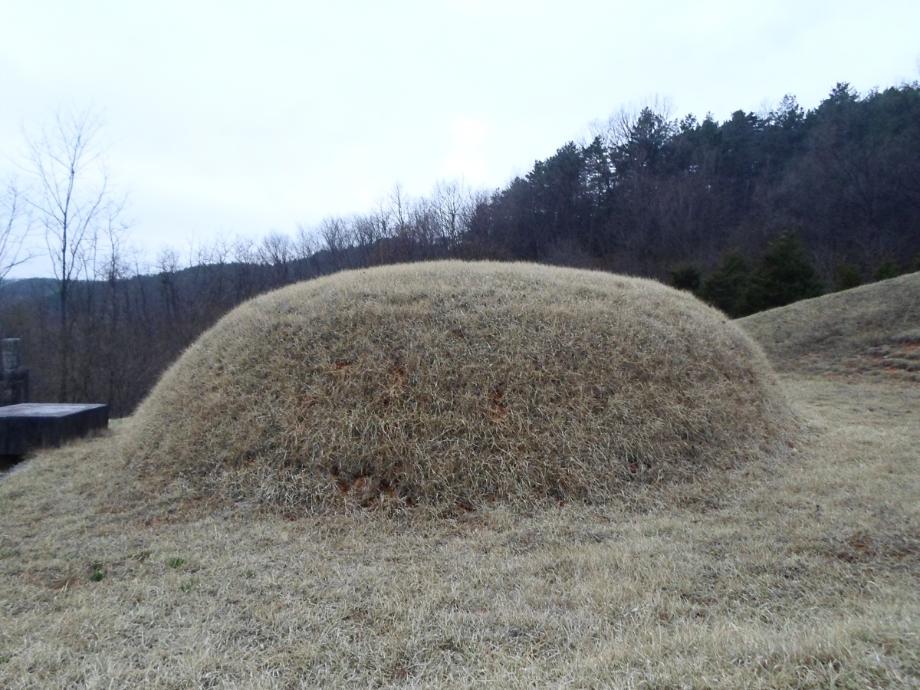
{"x":239,"y":118}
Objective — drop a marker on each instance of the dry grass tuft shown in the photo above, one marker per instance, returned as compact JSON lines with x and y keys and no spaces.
{"x":450,"y":385}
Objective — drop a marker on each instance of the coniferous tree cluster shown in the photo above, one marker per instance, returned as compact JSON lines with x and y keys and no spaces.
{"x":782,"y":275}
{"x":656,"y":196}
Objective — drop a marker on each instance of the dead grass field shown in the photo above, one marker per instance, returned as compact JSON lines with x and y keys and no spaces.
{"x":803,"y":572}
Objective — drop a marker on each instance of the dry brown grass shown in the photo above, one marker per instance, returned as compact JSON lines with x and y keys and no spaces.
{"x":870,"y":330}
{"x":800,"y":572}
{"x":452,"y":384}
{"x":804,"y":574}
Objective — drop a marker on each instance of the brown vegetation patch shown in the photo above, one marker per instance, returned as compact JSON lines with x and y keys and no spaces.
{"x":899,"y":356}
{"x":863,"y":546}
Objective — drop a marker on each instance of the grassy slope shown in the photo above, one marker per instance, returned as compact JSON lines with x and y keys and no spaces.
{"x":870,"y":329}
{"x":801,"y":575}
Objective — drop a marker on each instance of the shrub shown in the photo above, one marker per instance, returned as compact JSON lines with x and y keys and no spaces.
{"x":846,"y":276}
{"x":96,"y":572}
{"x":886,"y":270}
{"x":686,"y":278}
{"x":783,"y":275}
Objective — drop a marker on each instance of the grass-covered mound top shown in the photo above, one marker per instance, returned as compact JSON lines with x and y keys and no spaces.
{"x":456,"y":383}
{"x":871,"y":329}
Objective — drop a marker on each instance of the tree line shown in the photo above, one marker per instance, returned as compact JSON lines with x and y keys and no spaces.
{"x":750,"y":213}
{"x":652,"y":195}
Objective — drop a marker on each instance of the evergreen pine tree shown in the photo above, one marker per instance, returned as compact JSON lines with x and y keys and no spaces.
{"x":727,"y":287}
{"x":784,"y":275}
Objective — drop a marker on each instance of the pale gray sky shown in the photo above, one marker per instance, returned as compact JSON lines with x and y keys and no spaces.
{"x":245,"y":117}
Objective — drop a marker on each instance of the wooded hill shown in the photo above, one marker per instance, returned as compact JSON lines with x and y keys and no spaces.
{"x":754,"y":212}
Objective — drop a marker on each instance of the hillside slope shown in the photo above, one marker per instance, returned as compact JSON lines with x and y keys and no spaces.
{"x":873,"y":329}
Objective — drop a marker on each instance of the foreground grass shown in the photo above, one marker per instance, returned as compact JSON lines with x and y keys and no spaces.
{"x":804,"y":574}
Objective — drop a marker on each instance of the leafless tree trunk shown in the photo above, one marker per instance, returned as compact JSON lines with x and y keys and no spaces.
{"x":277,"y":251}
{"x":454,"y":204}
{"x":115,"y":273}
{"x":71,"y":200}
{"x":306,"y":243}
{"x":167,"y":267}
{"x":335,"y":236}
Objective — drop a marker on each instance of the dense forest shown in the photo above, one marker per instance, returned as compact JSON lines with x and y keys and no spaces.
{"x":754,"y":212}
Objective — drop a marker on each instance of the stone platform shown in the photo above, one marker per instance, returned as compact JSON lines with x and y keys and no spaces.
{"x":33,"y":425}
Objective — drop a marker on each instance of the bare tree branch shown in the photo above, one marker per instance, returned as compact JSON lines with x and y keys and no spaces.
{"x":13,"y":231}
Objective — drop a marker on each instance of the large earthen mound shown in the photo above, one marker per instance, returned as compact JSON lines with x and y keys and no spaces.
{"x":871,"y":330}
{"x":452,"y":383}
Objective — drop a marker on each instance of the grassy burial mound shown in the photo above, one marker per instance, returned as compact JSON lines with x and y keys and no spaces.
{"x":453,"y":384}
{"x":871,"y":329}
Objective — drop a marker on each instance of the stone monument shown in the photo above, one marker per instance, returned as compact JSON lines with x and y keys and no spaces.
{"x":25,"y":426}
{"x":14,"y":378}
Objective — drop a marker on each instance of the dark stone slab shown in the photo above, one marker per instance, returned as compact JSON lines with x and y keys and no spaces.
{"x":33,"y":425}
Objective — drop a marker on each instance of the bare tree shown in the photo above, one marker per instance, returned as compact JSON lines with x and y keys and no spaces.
{"x":367,"y":234}
{"x":620,"y":126}
{"x":306,"y":243}
{"x":454,"y":205}
{"x":277,"y":251}
{"x":243,"y":254}
{"x":399,"y":210}
{"x":215,"y":254}
{"x":12,"y":232}
{"x":336,"y":239}
{"x":425,"y":225}
{"x":243,"y":250}
{"x":71,"y":201}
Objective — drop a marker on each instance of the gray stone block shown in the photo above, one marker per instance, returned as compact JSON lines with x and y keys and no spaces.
{"x":34,"y":425}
